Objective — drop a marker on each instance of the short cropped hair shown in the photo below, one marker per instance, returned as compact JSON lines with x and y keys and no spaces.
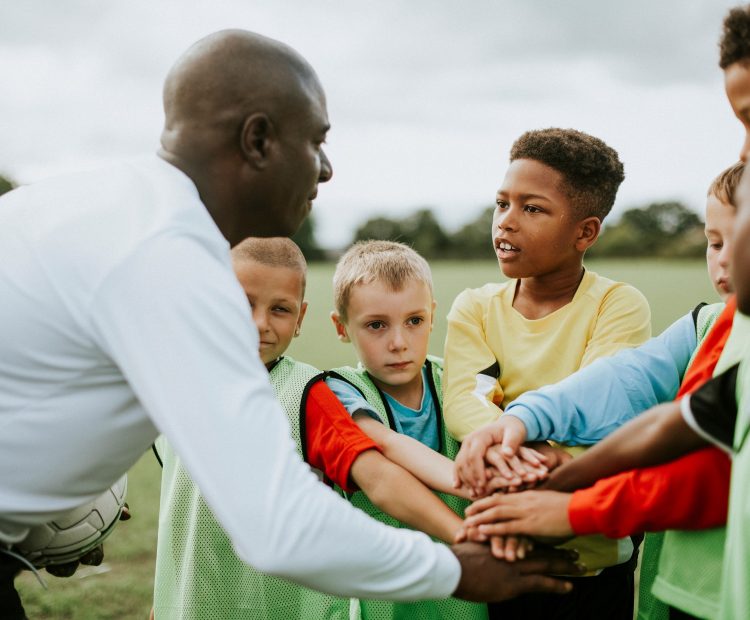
{"x":389,"y":262}
{"x":734,"y":44}
{"x":591,"y":169}
{"x":725,"y":185}
{"x":272,"y":252}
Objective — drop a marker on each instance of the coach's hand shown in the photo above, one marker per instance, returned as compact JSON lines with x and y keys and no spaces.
{"x":489,"y":580}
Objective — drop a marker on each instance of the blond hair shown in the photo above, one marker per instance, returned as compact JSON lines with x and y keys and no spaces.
{"x":272,"y":252}
{"x":724,"y":185}
{"x":389,"y":262}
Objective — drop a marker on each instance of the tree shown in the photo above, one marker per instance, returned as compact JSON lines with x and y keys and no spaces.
{"x":305,"y":239}
{"x":420,"y":230}
{"x":474,"y":240}
{"x":379,"y":228}
{"x":6,"y":184}
{"x":659,"y":229}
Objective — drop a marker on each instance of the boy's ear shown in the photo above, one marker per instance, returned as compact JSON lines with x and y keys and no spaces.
{"x":340,"y":327}
{"x":432,"y":314}
{"x":300,"y":318}
{"x":256,"y":139}
{"x":588,"y":232}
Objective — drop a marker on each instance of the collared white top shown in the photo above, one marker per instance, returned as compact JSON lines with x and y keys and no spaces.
{"x":121,"y":317}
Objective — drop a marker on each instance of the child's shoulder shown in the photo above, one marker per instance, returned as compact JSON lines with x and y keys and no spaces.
{"x":483,"y":295}
{"x":288,"y":365}
{"x":601,"y":288}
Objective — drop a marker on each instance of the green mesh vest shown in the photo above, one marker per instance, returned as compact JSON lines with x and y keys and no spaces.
{"x":447,"y":609}
{"x":683,"y":568}
{"x":198,"y":574}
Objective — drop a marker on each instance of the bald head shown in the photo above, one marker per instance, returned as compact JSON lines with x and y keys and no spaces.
{"x":245,"y":118}
{"x":222,"y":79}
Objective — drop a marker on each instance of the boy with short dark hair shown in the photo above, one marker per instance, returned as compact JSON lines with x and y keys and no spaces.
{"x":197,"y":572}
{"x":550,"y":319}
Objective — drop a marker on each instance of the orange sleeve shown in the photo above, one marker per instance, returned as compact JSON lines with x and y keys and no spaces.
{"x":691,"y":492}
{"x":333,"y":441}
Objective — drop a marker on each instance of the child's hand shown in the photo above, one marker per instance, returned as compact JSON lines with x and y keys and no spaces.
{"x":511,"y":548}
{"x":509,"y":432}
{"x":554,"y":456}
{"x":526,"y":467}
{"x":534,"y":513}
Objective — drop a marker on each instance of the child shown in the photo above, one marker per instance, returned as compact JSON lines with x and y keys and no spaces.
{"x":689,"y":573}
{"x":671,"y":586}
{"x":550,"y":319}
{"x":198,"y":573}
{"x":720,"y":215}
{"x":384,"y":307}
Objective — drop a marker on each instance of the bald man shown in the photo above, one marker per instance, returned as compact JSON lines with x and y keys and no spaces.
{"x":121,"y":318}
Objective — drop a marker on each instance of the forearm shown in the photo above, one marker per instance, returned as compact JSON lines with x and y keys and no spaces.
{"x":691,"y":492}
{"x":595,"y":401}
{"x":655,"y":437}
{"x":470,"y":383}
{"x":432,"y":468}
{"x":206,"y":389}
{"x":395,"y":491}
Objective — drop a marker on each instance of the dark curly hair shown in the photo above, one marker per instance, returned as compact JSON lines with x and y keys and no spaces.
{"x":734,"y":44}
{"x":592,"y":170}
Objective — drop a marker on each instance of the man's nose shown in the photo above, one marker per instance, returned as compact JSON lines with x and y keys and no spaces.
{"x":326,"y":170}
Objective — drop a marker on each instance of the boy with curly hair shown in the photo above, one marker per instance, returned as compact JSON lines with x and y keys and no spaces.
{"x":549,"y":319}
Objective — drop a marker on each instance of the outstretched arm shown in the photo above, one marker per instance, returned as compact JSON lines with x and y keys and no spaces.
{"x":593,"y":402}
{"x":655,"y":437}
{"x":691,"y":492}
{"x":395,"y":491}
{"x":432,"y":468}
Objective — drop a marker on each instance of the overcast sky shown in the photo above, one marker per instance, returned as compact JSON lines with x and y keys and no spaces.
{"x":425,"y":96}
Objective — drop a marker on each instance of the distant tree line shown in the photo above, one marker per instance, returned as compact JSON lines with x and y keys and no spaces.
{"x":660,"y":229}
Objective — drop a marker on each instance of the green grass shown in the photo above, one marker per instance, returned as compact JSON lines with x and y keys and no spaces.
{"x":124,"y":590}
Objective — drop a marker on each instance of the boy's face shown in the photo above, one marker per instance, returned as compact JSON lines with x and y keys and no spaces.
{"x":740,"y":264}
{"x":534,"y":229}
{"x":737,"y":84}
{"x":390,"y":330}
{"x":275,"y":295}
{"x":719,"y":230}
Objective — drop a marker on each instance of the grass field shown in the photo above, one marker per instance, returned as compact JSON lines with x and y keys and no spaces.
{"x":121,"y":588}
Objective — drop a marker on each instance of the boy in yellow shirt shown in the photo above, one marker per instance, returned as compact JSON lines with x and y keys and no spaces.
{"x":549,"y":319}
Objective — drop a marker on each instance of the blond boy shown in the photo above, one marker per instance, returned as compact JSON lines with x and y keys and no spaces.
{"x":198,"y":573}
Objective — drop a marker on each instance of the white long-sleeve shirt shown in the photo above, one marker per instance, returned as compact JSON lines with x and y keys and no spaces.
{"x":121,"y":317}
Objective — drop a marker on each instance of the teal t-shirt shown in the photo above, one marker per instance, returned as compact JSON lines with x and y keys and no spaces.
{"x":420,"y":424}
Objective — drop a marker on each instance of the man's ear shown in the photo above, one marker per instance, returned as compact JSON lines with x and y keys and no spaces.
{"x":256,"y":139}
{"x":300,"y":318}
{"x":340,"y":327}
{"x":588,"y":232}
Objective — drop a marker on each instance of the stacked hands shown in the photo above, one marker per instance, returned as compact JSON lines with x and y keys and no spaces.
{"x":497,"y":469}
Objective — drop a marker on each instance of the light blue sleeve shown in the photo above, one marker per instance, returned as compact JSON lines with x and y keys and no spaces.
{"x":593,"y":402}
{"x":350,"y":397}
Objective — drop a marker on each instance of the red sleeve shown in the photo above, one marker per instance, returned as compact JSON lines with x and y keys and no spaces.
{"x":333,"y":440}
{"x":691,"y":492}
